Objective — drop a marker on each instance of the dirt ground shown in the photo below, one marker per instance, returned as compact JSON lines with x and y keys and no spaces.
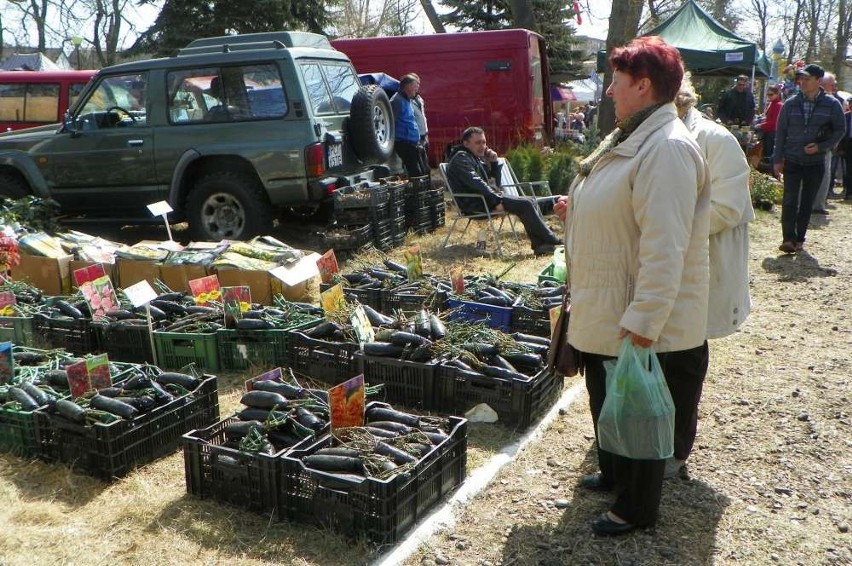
{"x":770,"y":480}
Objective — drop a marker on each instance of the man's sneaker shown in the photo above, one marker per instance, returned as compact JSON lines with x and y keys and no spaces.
{"x":673,"y":467}
{"x":788,"y":247}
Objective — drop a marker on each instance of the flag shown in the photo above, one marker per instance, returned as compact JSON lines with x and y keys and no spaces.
{"x":577,"y":13}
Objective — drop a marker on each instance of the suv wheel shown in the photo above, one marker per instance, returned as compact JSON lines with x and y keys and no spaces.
{"x":12,"y":185}
{"x":371,"y":126}
{"x":227,"y":205}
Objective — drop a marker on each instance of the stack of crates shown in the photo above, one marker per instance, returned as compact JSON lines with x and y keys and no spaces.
{"x":419,"y":204}
{"x":396,"y":211}
{"x":362,"y":211}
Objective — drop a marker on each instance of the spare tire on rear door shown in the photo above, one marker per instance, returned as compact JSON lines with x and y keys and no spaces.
{"x":371,"y":127}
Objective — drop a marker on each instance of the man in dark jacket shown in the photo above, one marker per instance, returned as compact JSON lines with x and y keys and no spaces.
{"x":809,"y":125}
{"x":468,"y":172}
{"x":737,"y":105}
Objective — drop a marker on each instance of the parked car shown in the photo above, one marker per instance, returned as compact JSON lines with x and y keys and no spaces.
{"x":229,"y":131}
{"x":35,"y":98}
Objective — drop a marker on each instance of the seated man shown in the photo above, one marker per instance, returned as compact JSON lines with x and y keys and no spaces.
{"x":467,"y":173}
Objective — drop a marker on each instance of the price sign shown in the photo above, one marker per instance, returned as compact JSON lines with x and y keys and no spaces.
{"x":327,"y":264}
{"x":140,"y":293}
{"x":98,"y":368}
{"x":78,"y":378}
{"x":413,"y":263}
{"x":347,"y":403}
{"x":205,"y":289}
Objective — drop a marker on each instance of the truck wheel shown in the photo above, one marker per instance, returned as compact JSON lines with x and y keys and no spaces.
{"x":371,"y":127}
{"x":228,"y":205}
{"x":13,"y":185}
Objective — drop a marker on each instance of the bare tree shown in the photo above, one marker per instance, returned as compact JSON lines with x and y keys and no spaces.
{"x":758,"y":11}
{"x":37,"y":12}
{"x":624,"y":24}
{"x":844,"y":34}
{"x":432,"y":14}
{"x":365,"y":18}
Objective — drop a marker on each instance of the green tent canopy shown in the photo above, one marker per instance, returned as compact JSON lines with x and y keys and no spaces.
{"x":707,"y":48}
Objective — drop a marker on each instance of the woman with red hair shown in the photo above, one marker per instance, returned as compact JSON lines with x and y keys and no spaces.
{"x":637,"y":223}
{"x":770,"y":120}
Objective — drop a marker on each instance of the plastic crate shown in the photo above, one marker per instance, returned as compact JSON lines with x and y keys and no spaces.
{"x":393,"y":301}
{"x":244,"y":479}
{"x":330,"y":362}
{"x":350,"y":238}
{"x":405,"y":382}
{"x":396,"y":190}
{"x":546,"y":274}
{"x":438,"y":212}
{"x":380,"y":511}
{"x":75,"y":335}
{"x":360,"y":197}
{"x":111,"y":450}
{"x":124,"y":343}
{"x":518,"y":403}
{"x":17,"y":329}
{"x":358,"y":216}
{"x":370,"y":297}
{"x":18,"y":432}
{"x":242,"y":349}
{"x":531,"y":321}
{"x":491,"y":315}
{"x":178,"y":349}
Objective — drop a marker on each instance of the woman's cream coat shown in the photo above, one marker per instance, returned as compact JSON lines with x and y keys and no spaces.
{"x":637,"y":232}
{"x":730,"y":213}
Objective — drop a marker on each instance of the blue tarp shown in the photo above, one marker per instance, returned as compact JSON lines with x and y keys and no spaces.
{"x":389,"y":84}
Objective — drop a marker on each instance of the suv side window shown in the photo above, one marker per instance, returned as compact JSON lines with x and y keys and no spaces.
{"x":118,"y":101}
{"x":331,"y":86}
{"x":227,"y":94}
{"x":29,"y":102}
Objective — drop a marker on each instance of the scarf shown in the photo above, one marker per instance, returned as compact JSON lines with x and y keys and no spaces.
{"x":618,"y":135}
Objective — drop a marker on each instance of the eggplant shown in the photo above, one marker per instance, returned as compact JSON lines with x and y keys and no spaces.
{"x":68,"y":309}
{"x":71,"y":411}
{"x":263,"y":400}
{"x":375,"y":317}
{"x":26,"y":401}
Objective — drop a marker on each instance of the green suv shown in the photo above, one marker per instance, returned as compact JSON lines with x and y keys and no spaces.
{"x":229,"y":132}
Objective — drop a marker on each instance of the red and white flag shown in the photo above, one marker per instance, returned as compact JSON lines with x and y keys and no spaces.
{"x":577,"y":13}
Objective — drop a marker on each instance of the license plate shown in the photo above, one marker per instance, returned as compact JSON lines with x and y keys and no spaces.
{"x":335,"y":155}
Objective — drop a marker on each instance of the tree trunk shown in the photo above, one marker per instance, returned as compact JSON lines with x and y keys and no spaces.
{"x":628,"y":14}
{"x":842,"y":37}
{"x":522,"y":14}
{"x":432,"y":14}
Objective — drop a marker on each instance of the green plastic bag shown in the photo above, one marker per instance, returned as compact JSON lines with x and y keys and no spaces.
{"x":637,"y":417}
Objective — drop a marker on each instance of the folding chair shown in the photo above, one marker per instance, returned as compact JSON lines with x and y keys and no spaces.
{"x":511,"y":186}
{"x":485,"y":215}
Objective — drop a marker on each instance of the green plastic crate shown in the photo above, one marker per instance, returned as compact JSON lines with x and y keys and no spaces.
{"x":178,"y":349}
{"x":546,"y":274}
{"x":17,"y":329}
{"x":17,"y":432}
{"x":241,"y":349}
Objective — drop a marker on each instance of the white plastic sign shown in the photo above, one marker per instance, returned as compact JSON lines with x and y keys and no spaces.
{"x":140,"y":293}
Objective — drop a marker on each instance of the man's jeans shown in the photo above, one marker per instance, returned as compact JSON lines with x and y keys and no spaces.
{"x":827,"y":183}
{"x":801,"y":183}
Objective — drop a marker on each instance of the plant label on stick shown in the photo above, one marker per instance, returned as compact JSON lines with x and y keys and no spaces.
{"x":205,"y":290}
{"x":7,"y":362}
{"x":327,"y":264}
{"x":457,"y":279}
{"x":332,"y":300}
{"x":140,"y":293}
{"x":98,"y":368}
{"x":346,"y":402}
{"x":7,"y":303}
{"x":413,"y":263}
{"x":235,"y":301}
{"x":361,"y":325}
{"x":78,"y":378}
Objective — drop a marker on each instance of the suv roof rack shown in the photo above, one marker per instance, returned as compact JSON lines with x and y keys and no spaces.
{"x":264,"y":40}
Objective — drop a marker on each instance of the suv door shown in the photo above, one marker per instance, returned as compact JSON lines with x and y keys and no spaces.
{"x":102,"y":161}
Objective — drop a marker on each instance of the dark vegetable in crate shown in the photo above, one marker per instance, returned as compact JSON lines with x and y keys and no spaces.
{"x":308,"y":419}
{"x":400,"y":338}
{"x":376,"y":318}
{"x":28,"y":358}
{"x":380,"y":432}
{"x":338,"y":451}
{"x":254,"y":324}
{"x":262,"y":415}
{"x":379,"y":413}
{"x":323,"y":329}
{"x":38,"y":395}
{"x":382,"y":349}
{"x":494,"y":371}
{"x":521,"y":337}
{"x":26,"y":401}
{"x":331,"y":463}
{"x":285,"y":389}
{"x":392,"y":426}
{"x":68,"y":309}
{"x":142,"y":403}
{"x":184,"y":380}
{"x":397,"y":455}
{"x":239,"y":429}
{"x":263,"y":400}
{"x":114,"y":406}
{"x":71,"y":411}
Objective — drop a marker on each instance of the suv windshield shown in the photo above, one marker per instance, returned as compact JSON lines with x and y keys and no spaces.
{"x":332,"y":94}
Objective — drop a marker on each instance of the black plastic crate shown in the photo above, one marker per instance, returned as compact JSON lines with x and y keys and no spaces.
{"x":356,"y":216}
{"x":380,"y":511}
{"x":355,"y":197}
{"x":396,"y":190}
{"x":242,"y":349}
{"x":518,"y":403}
{"x":330,"y":362}
{"x":531,"y":321}
{"x":438,"y":213}
{"x":398,"y":226}
{"x":406,"y":383}
{"x":124,"y":343}
{"x":370,"y":297}
{"x":244,"y":479}
{"x":419,"y":184}
{"x":407,"y":302}
{"x":75,"y":335}
{"x":111,"y":450}
{"x":350,"y":238}
{"x":423,"y":199}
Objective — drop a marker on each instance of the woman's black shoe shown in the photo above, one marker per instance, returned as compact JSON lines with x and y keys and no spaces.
{"x":606,"y":527}
{"x":594,"y":482}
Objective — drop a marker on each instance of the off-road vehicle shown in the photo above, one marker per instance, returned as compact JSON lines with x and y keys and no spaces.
{"x":229,"y":131}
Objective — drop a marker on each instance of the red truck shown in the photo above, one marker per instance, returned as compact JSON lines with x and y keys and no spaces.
{"x":494,"y":79}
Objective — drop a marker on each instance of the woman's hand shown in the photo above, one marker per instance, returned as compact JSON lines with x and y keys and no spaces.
{"x":560,"y":207}
{"x":638,"y":341}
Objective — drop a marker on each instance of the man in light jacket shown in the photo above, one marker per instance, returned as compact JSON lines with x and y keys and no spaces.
{"x":730,"y":213}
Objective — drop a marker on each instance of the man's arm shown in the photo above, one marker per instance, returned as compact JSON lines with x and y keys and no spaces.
{"x":466,"y":178}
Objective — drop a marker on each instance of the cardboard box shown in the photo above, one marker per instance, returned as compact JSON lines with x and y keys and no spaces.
{"x":51,"y":275}
{"x":260,"y":282}
{"x":177,"y":277}
{"x":295,"y":292}
{"x":109,"y":269}
{"x":132,"y":271}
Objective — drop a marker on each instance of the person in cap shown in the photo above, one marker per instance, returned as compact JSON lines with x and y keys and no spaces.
{"x":809,"y":125}
{"x":737,"y":105}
